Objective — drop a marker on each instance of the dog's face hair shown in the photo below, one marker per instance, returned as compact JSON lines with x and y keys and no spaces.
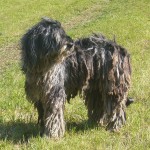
{"x":44,"y":40}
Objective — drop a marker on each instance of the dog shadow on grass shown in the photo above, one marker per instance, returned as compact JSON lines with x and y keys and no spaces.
{"x":80,"y":126}
{"x":21,"y":132}
{"x":18,"y":131}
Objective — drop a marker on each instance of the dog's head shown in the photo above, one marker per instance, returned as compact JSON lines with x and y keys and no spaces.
{"x":45,"y":40}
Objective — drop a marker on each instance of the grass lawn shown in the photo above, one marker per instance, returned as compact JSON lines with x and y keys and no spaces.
{"x":129,"y":20}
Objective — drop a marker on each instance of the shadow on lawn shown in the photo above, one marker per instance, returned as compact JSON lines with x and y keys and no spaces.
{"x":80,"y":126}
{"x":21,"y":132}
{"x":18,"y":131}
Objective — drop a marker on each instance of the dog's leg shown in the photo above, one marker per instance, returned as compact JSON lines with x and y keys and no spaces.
{"x":114,"y":116}
{"x":54,"y":124}
{"x":32,"y":93}
{"x":38,"y":105}
{"x":94,"y":105}
{"x":115,"y":89}
{"x":117,"y":117}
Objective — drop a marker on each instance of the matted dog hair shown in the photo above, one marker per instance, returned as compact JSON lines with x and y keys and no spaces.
{"x":57,"y":69}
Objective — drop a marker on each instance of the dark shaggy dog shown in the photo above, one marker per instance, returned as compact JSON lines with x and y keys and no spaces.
{"x":57,"y":69}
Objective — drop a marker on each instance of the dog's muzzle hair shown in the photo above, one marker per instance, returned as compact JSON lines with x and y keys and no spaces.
{"x":94,"y":67}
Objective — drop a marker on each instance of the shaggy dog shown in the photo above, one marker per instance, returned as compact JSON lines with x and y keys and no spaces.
{"x":57,"y":69}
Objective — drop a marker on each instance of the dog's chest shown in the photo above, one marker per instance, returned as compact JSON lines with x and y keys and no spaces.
{"x":54,"y":76}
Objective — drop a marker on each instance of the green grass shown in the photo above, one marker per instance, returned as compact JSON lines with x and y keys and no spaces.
{"x":128,"y":20}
